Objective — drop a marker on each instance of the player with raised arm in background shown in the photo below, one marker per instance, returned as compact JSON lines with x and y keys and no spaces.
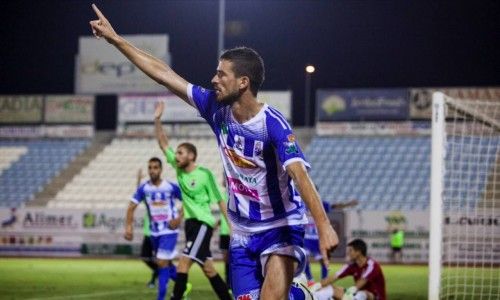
{"x":369,"y":282}
{"x":199,"y":190}
{"x":160,"y":197}
{"x":261,"y":157}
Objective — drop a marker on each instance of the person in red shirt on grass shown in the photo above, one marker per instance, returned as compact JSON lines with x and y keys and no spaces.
{"x":369,"y":282}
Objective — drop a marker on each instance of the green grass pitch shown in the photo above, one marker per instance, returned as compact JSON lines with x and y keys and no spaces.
{"x":24,"y":278}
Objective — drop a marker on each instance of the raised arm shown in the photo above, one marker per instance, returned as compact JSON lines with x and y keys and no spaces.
{"x":161,"y":136}
{"x":155,"y":68}
{"x":328,"y":238}
{"x":139,"y":177}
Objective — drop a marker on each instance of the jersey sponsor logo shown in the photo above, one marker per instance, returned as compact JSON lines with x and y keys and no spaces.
{"x":291,"y":145}
{"x":159,"y":218}
{"x":239,"y":160}
{"x":157,"y":203}
{"x":239,"y":188}
{"x":248,"y":179}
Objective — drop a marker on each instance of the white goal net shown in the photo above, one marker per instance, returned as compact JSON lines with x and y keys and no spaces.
{"x":465,"y":199}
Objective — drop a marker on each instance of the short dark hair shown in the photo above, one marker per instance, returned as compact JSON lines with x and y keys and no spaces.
{"x":359,"y":245}
{"x":190,"y":148}
{"x":156,"y":159}
{"x":247,"y":62}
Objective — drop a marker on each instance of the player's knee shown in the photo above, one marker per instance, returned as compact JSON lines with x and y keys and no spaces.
{"x":183,"y":265}
{"x":209,"y":270}
{"x":162,"y":263}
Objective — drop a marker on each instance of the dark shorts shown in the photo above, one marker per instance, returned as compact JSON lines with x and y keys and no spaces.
{"x":147,"y":247}
{"x":224,"y":242}
{"x":396,"y":249}
{"x":198,"y":235}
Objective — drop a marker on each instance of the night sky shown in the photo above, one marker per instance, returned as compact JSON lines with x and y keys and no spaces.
{"x":351,"y":43}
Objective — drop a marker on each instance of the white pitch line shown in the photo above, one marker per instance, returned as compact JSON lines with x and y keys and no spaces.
{"x":91,"y":295}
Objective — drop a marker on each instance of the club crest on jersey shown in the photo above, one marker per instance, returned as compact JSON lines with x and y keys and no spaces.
{"x":291,"y":145}
{"x":192,"y":183}
{"x":258,"y":149}
{"x":239,"y":142}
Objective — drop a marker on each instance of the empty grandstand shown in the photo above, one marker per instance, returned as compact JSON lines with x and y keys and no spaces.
{"x":109,"y":180}
{"x":383,"y":173}
{"x":27,"y":166}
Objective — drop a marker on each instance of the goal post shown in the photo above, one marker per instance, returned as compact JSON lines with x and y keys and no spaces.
{"x":436,"y":213}
{"x":464,"y":242}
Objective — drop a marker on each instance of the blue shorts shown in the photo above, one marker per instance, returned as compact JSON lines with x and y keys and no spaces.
{"x":248,"y":256}
{"x":164,"y":246}
{"x":312,"y":248}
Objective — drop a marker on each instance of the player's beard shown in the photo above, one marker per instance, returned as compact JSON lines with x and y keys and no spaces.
{"x":154,"y":178}
{"x":230,"y":98}
{"x":182,"y":165}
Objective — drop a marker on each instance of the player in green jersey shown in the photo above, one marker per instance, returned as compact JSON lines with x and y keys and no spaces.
{"x":199,"y":190}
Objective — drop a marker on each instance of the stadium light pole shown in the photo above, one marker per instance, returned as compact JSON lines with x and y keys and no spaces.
{"x":309,"y":71}
{"x":222,"y":25}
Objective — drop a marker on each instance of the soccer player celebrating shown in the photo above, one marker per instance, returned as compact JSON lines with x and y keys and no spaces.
{"x":159,"y":196}
{"x":199,"y":191}
{"x":367,"y":273}
{"x":261,"y":157}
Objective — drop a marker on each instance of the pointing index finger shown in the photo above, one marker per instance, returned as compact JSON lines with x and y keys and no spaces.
{"x":326,"y":260}
{"x":98,"y":12}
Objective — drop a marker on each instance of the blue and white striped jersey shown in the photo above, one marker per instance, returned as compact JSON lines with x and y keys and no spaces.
{"x":160,"y":204}
{"x":254,"y":154}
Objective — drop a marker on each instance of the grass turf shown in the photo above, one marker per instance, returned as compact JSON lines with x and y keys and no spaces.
{"x":25,"y":278}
